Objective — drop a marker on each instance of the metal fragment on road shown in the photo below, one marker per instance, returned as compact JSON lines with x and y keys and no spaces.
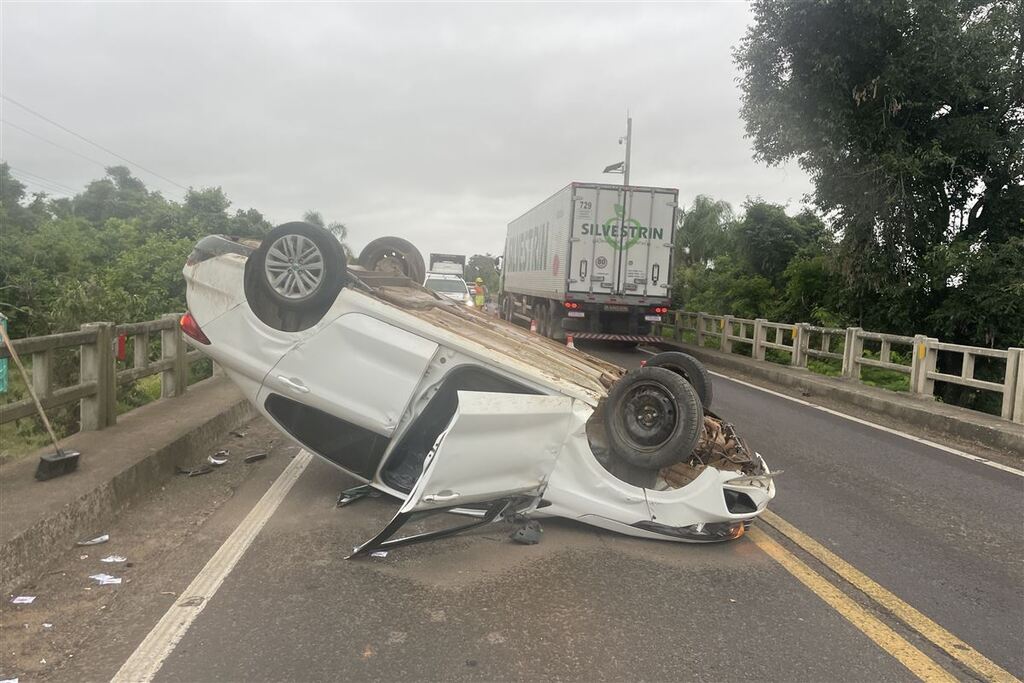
{"x":114,"y":558}
{"x":379,"y":553}
{"x":218,"y":458}
{"x":255,"y":457}
{"x":95,"y":541}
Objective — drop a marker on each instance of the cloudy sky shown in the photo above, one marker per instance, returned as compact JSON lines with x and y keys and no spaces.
{"x":436,"y":122}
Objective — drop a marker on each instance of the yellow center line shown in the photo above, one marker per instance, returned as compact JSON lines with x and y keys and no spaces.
{"x":909,"y":656}
{"x":940,"y":637}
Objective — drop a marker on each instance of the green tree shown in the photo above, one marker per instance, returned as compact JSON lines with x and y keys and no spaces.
{"x":339,"y":230}
{"x":908,"y":116}
{"x":703,"y":231}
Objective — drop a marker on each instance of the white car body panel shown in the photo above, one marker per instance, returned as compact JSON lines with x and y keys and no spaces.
{"x":498,"y":446}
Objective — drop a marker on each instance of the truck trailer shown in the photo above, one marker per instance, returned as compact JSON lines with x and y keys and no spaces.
{"x":592,"y":260}
{"x":449,"y":264}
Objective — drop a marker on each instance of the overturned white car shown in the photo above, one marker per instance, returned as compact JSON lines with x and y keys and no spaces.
{"x":447,"y":408}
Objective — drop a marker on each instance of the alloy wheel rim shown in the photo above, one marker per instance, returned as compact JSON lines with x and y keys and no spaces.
{"x":294,"y":266}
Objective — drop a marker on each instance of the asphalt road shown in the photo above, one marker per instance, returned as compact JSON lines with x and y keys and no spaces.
{"x":942,"y":533}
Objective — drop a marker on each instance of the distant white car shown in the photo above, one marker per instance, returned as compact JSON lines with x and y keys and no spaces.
{"x":449,"y":286}
{"x":448,"y":409}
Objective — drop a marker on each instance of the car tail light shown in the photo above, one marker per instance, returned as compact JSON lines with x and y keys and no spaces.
{"x":572,"y":305}
{"x":190,"y":327}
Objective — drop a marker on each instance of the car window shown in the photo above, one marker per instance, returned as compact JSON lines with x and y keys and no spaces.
{"x":446,"y":285}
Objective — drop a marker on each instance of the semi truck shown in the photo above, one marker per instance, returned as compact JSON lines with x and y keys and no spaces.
{"x":593,"y":260}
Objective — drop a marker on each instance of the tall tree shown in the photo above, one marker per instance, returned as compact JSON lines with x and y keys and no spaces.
{"x":911,"y":127}
{"x":703,"y":231}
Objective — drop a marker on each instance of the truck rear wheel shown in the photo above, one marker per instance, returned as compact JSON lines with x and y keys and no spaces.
{"x":690,"y":369}
{"x":654,"y":418}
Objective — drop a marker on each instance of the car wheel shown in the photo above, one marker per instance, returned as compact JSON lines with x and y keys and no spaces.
{"x":394,"y":255}
{"x":299,"y":267}
{"x":691,"y":369}
{"x":654,"y":418}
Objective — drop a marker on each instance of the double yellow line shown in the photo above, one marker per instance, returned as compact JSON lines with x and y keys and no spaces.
{"x":889,"y":640}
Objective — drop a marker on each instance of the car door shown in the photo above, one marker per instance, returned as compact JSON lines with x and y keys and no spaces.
{"x":498,"y":451}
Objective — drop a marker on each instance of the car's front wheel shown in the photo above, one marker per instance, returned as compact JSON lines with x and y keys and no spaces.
{"x":654,"y":418}
{"x":297,"y":272}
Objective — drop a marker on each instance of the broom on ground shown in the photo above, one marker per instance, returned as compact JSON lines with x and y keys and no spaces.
{"x":50,"y":464}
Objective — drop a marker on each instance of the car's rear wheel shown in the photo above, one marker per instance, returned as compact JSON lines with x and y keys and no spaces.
{"x":394,"y":255}
{"x":690,"y":369}
{"x":654,"y":418}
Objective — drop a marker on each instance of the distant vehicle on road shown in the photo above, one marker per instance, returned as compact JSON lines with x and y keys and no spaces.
{"x":593,"y":260}
{"x":452,"y":264}
{"x":450,"y":286}
{"x":449,"y":409}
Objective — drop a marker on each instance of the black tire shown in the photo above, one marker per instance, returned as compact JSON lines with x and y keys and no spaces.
{"x":691,"y":369}
{"x":654,"y":418}
{"x":396,"y":255}
{"x":298,"y":267}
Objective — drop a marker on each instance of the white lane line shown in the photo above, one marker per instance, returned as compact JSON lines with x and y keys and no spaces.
{"x":149,"y":656}
{"x":896,"y":432}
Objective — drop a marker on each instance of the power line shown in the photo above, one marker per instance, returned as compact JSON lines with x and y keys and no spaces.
{"x":61,"y":186}
{"x":94,"y":144}
{"x":55,"y":144}
{"x":41,"y":186}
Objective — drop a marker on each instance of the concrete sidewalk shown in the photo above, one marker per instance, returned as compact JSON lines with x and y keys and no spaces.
{"x":912,"y":411}
{"x":119,"y":465}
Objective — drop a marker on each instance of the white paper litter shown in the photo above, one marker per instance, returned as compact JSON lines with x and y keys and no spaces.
{"x":114,"y":558}
{"x":379,"y":553}
{"x":95,"y":541}
{"x":24,"y":600}
{"x":9,"y":680}
{"x":106,"y":579}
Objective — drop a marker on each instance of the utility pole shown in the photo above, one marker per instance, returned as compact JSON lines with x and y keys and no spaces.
{"x":629,"y":140}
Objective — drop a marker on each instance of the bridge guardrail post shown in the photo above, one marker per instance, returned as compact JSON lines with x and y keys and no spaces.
{"x":42,"y":373}
{"x":96,"y":364}
{"x":677,"y":326}
{"x":1018,"y":391}
{"x":853,"y":349}
{"x":801,"y":341}
{"x":172,"y":346}
{"x":757,"y":348}
{"x":726,"y":345}
{"x":700,"y":328}
{"x":926,"y":385}
{"x":1014,"y":358}
{"x":917,"y":358}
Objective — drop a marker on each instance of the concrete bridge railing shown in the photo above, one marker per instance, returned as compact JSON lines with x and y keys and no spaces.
{"x":847,"y":345}
{"x":100,"y":346}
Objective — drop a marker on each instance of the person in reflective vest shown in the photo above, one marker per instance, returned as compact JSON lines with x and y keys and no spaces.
{"x":479,"y":293}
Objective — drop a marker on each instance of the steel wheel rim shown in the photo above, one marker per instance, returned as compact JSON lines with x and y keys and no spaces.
{"x":294,"y":266}
{"x":649,"y":414}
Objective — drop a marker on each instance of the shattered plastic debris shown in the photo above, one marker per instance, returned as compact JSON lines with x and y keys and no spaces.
{"x":218,"y":458}
{"x":114,"y":558}
{"x":24,"y":600}
{"x":379,"y":553}
{"x":528,"y":534}
{"x":195,"y":471}
{"x":255,"y":456}
{"x":95,"y":541}
{"x":106,"y":579}
{"x":355,"y":493}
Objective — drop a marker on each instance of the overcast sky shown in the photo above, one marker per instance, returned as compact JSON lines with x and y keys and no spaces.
{"x":436,"y":122}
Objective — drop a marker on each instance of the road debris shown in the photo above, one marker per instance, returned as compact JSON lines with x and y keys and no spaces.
{"x":379,"y":553}
{"x":255,"y":457}
{"x":355,"y":493}
{"x":95,"y":541}
{"x":114,"y":558}
{"x":9,"y":680}
{"x":24,"y":600}
{"x":47,"y":625}
{"x":239,"y":433}
{"x":218,"y":458}
{"x":195,"y":471}
{"x":106,"y":579}
{"x":528,"y":534}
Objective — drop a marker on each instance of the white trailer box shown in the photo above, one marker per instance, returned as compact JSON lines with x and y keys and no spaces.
{"x":607,"y":247}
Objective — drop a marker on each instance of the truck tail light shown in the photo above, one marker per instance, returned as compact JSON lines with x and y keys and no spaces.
{"x":659,"y":310}
{"x":572,"y":305}
{"x":190,"y":327}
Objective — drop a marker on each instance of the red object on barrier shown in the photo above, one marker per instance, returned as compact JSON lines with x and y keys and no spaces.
{"x":568,"y":342}
{"x":122,"y":343}
{"x":533,"y":326}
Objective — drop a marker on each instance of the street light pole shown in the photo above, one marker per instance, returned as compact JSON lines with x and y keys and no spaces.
{"x":629,"y":140}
